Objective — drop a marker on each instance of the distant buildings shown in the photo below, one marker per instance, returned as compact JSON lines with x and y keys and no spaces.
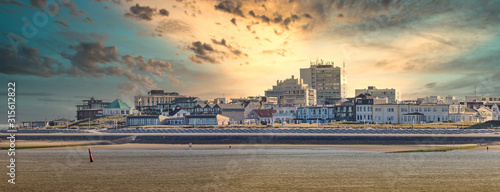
{"x":149,"y":102}
{"x":392,"y":95}
{"x":35,"y":124}
{"x":438,"y":100}
{"x":90,"y":108}
{"x":329,"y":81}
{"x":292,"y":92}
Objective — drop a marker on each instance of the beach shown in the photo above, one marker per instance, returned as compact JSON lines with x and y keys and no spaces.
{"x":146,"y":167}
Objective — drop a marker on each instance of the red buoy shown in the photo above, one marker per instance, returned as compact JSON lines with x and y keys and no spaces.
{"x":90,"y":155}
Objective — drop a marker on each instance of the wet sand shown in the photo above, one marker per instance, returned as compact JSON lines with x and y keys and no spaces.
{"x":92,"y":145}
{"x":252,"y":169}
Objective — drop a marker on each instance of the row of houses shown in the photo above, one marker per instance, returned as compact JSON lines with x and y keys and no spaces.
{"x":182,"y":110}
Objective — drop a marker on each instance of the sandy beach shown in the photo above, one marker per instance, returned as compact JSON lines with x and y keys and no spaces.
{"x":96,"y":145}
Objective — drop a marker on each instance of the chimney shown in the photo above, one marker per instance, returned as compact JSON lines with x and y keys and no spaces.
{"x":292,"y":76}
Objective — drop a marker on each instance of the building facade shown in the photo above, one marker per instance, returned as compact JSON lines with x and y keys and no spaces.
{"x":285,"y":114}
{"x":145,"y":120}
{"x":154,"y":97}
{"x":410,"y":114}
{"x":329,"y":81}
{"x":207,"y":119}
{"x":314,"y":114}
{"x":293,"y":92}
{"x":392,"y":95}
{"x":90,"y":108}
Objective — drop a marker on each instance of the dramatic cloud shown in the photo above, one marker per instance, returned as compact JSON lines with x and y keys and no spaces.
{"x":157,"y":67}
{"x":89,"y":60}
{"x":233,"y":50}
{"x":62,"y":23}
{"x":27,"y":61}
{"x":203,"y":53}
{"x":230,"y":7}
{"x":141,"y":12}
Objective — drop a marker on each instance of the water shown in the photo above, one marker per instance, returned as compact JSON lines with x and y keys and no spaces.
{"x":257,"y":169}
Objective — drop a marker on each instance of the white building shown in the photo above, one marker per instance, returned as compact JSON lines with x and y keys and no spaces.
{"x":314,"y":114}
{"x":484,"y":99}
{"x":117,"y":108}
{"x":392,"y":95}
{"x":145,"y":120}
{"x":285,"y":114}
{"x":293,"y":92}
{"x":439,"y":100}
{"x":409,"y":114}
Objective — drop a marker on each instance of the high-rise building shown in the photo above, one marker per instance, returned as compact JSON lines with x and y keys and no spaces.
{"x":329,"y":81}
{"x":293,"y":92}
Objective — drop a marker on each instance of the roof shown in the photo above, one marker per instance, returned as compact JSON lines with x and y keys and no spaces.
{"x":185,"y":99}
{"x":142,"y":116}
{"x":470,"y":110}
{"x":264,"y":112}
{"x":230,"y":106}
{"x":117,"y":104}
{"x":414,"y":114}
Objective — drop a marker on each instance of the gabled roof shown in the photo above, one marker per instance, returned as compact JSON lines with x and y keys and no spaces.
{"x":117,"y":104}
{"x":264,"y":112}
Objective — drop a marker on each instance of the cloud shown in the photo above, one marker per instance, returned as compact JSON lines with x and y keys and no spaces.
{"x":164,"y":12}
{"x":171,"y":26}
{"x":39,"y":3}
{"x":157,"y":67}
{"x":74,"y":10}
{"x":233,"y":50}
{"x":430,"y":85}
{"x":141,"y":12}
{"x":27,"y":61}
{"x":229,"y":6}
{"x":13,"y":2}
{"x":203,"y":53}
{"x":62,"y":23}
{"x":275,"y":51}
{"x":88,"y":19}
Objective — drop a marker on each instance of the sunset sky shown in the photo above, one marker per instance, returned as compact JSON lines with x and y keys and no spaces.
{"x":60,"y":52}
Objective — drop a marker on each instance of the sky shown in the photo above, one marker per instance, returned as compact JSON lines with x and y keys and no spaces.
{"x":59,"y":51}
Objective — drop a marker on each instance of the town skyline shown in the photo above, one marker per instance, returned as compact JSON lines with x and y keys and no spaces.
{"x":210,"y":49}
